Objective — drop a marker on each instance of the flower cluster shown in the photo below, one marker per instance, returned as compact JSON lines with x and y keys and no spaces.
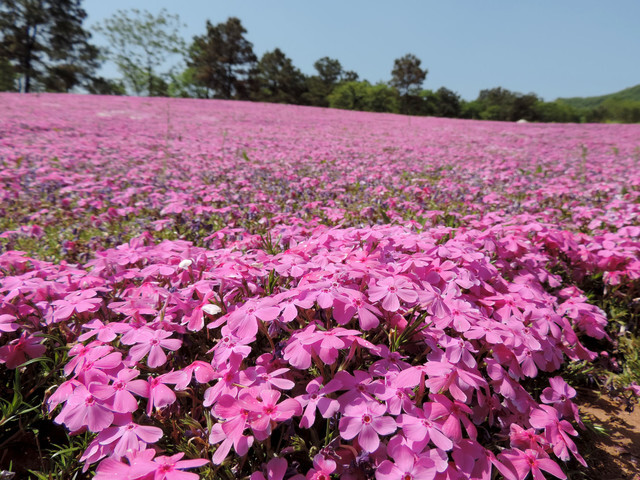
{"x":335,"y":327}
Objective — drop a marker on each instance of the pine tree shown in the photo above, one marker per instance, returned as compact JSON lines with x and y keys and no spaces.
{"x":46,"y":45}
{"x":223,"y":60}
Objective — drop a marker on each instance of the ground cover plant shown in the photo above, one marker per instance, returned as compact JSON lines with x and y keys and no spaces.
{"x":209,"y":289}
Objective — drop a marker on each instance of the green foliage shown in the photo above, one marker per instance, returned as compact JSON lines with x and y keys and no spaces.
{"x":102,"y":86}
{"x":557,"y":112}
{"x":185,"y":85}
{"x":43,"y":448}
{"x":44,"y":44}
{"x":222,"y":60}
{"x":278,"y":80}
{"x":365,"y":97}
{"x":441,"y":103}
{"x":140,"y":44}
{"x":8,"y":76}
{"x":407,"y":76}
{"x":320,"y":86}
{"x":631,"y":94}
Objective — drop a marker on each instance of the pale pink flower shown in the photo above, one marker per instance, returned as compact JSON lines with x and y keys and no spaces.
{"x":367,"y":421}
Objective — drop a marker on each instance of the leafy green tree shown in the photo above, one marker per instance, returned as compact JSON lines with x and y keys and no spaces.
{"x":320,"y":86}
{"x":185,"y":85}
{"x":496,"y":103}
{"x":222,"y":60}
{"x":471,"y":110}
{"x":350,"y":76}
{"x":364,"y":97}
{"x":7,"y":76}
{"x":329,"y":70}
{"x":525,"y":107}
{"x":407,"y":76}
{"x":448,"y":103}
{"x":140,"y":44}
{"x":382,"y":98}
{"x":278,"y":80}
{"x":556,"y":112}
{"x":45,"y":44}
{"x":102,"y":86}
{"x":349,"y":96}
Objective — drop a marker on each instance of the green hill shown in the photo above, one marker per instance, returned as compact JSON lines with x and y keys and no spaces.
{"x":628,"y":94}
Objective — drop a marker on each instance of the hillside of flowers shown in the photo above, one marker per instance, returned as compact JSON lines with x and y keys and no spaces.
{"x":226,"y":290}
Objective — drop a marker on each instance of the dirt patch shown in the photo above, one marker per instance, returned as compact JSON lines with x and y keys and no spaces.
{"x":616,"y":455}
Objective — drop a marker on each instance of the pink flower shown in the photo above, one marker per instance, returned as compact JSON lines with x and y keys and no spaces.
{"x":243,"y":322}
{"x":118,"y":394}
{"x":143,"y":465}
{"x":265,"y":404}
{"x":556,"y":432}
{"x":391,"y":290}
{"x":322,"y":468}
{"x":152,"y":342}
{"x":424,"y":425}
{"x":15,"y":353}
{"x":519,"y":464}
{"x":315,"y":398}
{"x":560,"y":394}
{"x":406,"y":466}
{"x":276,"y":470}
{"x":105,"y":332}
{"x":355,"y":303}
{"x":367,"y":421}
{"x":159,"y":394}
{"x":129,"y":437}
{"x":76,"y":302}
{"x":7,"y":323}
{"x":84,"y":409}
{"x":231,"y":431}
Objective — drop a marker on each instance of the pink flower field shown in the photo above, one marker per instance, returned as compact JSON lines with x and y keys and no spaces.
{"x":213,"y":289}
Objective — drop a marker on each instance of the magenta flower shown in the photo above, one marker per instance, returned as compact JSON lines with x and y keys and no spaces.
{"x":315,"y":398}
{"x":143,"y":465}
{"x":519,"y":464}
{"x":119,"y":393}
{"x":559,"y":394}
{"x":322,"y":468}
{"x":15,"y":353}
{"x":231,"y":431}
{"x":170,"y":468}
{"x":84,"y":409}
{"x":406,"y":466}
{"x":243,"y":322}
{"x":265,"y":405}
{"x":391,"y":290}
{"x":76,"y":302}
{"x":367,"y":421}
{"x":129,"y":437}
{"x":556,"y":432}
{"x":152,"y":342}
{"x":275,"y":469}
{"x":8,"y":323}
{"x":355,"y":304}
{"x":424,"y":425}
{"x":158,"y":393}
{"x":105,"y":332}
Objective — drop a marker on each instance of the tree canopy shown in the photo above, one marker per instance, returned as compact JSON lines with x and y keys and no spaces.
{"x":222,"y":59}
{"x":278,"y":80}
{"x":407,"y":76}
{"x":44,"y":45}
{"x":140,"y":44}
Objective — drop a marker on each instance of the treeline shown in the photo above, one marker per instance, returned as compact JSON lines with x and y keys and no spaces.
{"x":44,"y":47}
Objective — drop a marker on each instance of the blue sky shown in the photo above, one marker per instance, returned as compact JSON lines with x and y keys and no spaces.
{"x":555,"y":48}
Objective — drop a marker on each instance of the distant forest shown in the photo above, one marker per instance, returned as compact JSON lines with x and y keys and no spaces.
{"x":44,"y":47}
